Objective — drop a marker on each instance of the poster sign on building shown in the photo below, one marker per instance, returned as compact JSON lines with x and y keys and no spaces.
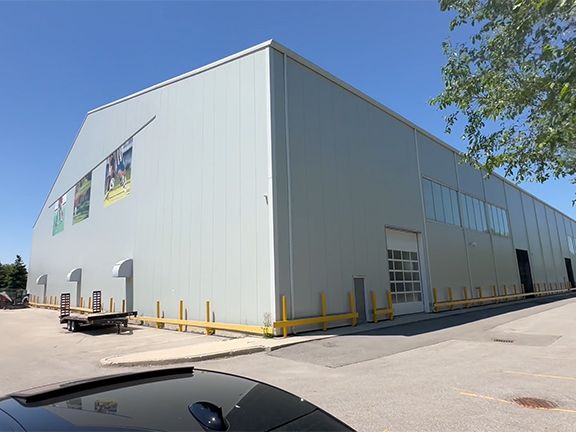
{"x":82,"y":199}
{"x":118,"y":174}
{"x":59,"y":213}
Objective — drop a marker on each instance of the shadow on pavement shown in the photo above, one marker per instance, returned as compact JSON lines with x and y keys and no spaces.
{"x":412,"y":325}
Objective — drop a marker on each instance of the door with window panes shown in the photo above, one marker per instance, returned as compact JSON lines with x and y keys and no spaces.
{"x":404,"y":271}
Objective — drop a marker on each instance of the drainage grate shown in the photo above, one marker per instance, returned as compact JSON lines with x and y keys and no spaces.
{"x":503,"y":340}
{"x":535,"y":403}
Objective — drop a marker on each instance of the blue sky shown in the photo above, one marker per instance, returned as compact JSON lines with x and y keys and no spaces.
{"x":58,"y":60}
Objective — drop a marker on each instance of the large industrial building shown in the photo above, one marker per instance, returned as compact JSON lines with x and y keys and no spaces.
{"x":262,"y":175}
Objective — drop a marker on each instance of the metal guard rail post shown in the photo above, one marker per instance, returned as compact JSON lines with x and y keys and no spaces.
{"x":449,"y":304}
{"x":323,"y":319}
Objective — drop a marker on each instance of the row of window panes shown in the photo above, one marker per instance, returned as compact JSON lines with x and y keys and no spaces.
{"x":498,"y":220}
{"x":402,"y":265}
{"x":402,"y":255}
{"x":404,"y":276}
{"x":571,"y":245}
{"x":406,"y":297}
{"x":405,"y":287}
{"x":473,"y":213}
{"x":441,"y":204}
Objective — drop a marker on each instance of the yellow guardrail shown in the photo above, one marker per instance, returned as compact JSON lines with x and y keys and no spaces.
{"x":496,"y":297}
{"x":323,"y":319}
{"x":208,"y":325}
{"x":377,"y":312}
{"x":51,"y":302}
{"x":57,"y":307}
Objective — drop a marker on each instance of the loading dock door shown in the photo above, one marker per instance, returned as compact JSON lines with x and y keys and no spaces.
{"x":570,"y":272}
{"x":404,"y":270}
{"x":524,"y":270}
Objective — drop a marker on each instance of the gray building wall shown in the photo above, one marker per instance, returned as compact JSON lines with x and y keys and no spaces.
{"x":262,"y":176}
{"x":352,"y":172}
{"x":345,"y":168}
{"x":197,"y":222}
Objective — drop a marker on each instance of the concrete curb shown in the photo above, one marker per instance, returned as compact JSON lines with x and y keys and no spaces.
{"x":111,"y":362}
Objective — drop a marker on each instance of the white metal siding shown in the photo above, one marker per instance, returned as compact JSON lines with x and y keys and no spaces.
{"x":196,"y":222}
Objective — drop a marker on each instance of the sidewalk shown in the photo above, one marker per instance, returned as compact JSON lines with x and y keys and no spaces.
{"x":252,"y":344}
{"x":208,"y":350}
{"x":247,"y":344}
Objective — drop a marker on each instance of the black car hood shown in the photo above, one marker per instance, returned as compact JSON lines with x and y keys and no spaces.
{"x":158,"y":401}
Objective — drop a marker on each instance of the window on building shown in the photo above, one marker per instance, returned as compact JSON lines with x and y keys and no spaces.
{"x":473,"y":213}
{"x":440,"y":202}
{"x":571,"y":245}
{"x":498,"y":220}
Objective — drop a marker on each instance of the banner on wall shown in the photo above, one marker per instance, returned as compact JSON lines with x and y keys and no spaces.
{"x":118,"y":174}
{"x":59,"y":213}
{"x":82,"y":199}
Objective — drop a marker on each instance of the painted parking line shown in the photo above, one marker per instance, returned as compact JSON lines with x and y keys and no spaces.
{"x":490,"y":398}
{"x":560,"y":377}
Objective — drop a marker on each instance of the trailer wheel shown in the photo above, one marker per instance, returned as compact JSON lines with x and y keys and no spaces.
{"x":69,"y":325}
{"x":75,"y":326}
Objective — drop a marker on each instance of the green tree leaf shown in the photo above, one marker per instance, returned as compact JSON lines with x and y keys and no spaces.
{"x":510,"y":83}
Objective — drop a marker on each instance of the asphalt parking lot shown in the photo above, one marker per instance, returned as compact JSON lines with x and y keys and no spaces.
{"x":37,"y":350}
{"x":455,"y":373}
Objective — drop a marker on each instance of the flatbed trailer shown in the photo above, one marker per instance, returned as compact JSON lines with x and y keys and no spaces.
{"x":75,"y":321}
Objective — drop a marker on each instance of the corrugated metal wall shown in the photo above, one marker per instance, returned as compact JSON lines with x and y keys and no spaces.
{"x":353,"y":171}
{"x":340,"y":169}
{"x":197,"y":221}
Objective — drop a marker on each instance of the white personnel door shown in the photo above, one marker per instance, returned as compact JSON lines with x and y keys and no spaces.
{"x":405,"y":271}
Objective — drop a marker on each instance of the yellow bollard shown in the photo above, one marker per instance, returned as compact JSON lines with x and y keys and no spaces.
{"x":284,"y":316}
{"x":323,"y":306}
{"x":209,"y":331}
{"x":158,"y":313}
{"x":123,"y":305}
{"x":494,"y":293}
{"x":450,"y":297}
{"x":505,"y":292}
{"x":111,"y":305}
{"x":435,"y":298}
{"x":180,"y":314}
{"x":522,"y":290}
{"x":390,"y":306}
{"x":89,"y":302}
{"x":466,"y":296}
{"x":374,"y":307}
{"x":352,"y":301}
{"x":81,"y":302}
